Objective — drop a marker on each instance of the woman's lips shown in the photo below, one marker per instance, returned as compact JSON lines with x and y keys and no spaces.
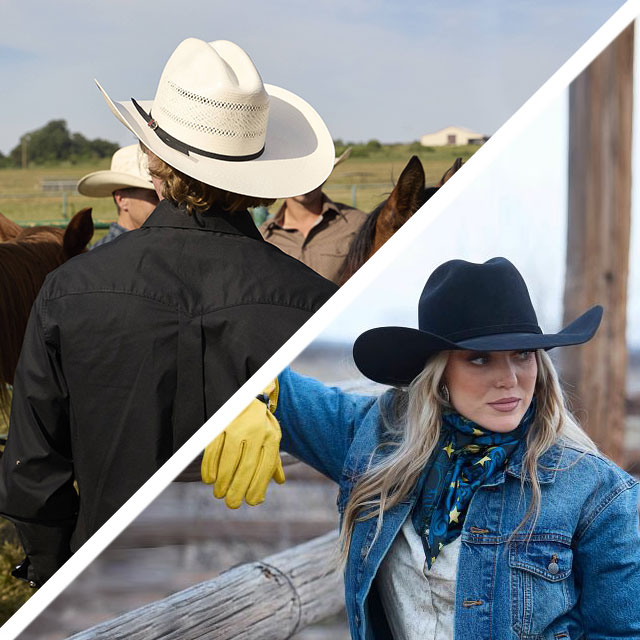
{"x":505,"y":405}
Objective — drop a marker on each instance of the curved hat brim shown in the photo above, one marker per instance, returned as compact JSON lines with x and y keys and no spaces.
{"x":100,"y":184}
{"x":298,"y":155}
{"x":396,"y":355}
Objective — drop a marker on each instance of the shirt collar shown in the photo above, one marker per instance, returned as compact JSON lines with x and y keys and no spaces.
{"x":328,"y":207}
{"x":168,"y":214}
{"x":114,"y":227}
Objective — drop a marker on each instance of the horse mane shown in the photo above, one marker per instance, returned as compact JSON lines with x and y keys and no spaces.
{"x":361,"y":246}
{"x":408,"y":195}
{"x":44,"y":233}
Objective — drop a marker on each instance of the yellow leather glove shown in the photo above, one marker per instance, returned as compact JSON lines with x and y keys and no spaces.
{"x":241,"y":461}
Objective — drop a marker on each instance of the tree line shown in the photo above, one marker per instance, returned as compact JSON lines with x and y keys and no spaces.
{"x":54,"y":143}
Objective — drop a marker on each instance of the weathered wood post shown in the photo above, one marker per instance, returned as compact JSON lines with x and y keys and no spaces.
{"x":599,"y":220}
{"x":266,"y":600}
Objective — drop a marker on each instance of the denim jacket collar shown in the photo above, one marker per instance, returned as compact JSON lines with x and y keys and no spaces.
{"x":548,"y":464}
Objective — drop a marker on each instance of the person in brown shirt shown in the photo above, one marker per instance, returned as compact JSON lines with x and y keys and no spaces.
{"x":315,"y":230}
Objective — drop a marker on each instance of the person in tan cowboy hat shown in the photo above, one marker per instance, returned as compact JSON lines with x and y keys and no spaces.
{"x":315,"y":230}
{"x":129,"y":183}
{"x":130,"y":348}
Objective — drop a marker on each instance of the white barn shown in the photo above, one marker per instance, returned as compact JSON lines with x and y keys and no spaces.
{"x":452,"y":136}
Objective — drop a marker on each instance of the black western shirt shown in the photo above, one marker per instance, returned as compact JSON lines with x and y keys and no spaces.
{"x":128,"y":350}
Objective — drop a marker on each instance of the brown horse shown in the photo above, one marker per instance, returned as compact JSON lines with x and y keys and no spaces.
{"x":26,"y":257}
{"x":408,"y":195}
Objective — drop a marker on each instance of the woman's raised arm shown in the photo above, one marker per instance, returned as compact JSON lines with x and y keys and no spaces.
{"x":318,"y":422}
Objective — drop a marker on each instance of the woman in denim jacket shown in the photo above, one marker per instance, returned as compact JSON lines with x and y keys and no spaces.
{"x":472,"y":505}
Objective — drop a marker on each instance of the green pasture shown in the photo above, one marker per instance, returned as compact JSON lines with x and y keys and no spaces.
{"x":368,"y":177}
{"x":22,"y":198}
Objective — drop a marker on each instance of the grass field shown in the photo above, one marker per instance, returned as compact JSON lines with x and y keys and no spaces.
{"x":22,"y":199}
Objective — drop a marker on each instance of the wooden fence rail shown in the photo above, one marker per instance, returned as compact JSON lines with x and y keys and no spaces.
{"x":266,"y":600}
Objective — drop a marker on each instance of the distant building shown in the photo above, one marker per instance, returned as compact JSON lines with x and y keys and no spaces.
{"x":452,"y":136}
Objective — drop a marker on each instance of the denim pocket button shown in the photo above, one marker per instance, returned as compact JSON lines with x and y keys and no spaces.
{"x":553,"y":568}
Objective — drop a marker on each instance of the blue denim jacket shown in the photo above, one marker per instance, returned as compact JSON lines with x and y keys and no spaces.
{"x":578,"y":576}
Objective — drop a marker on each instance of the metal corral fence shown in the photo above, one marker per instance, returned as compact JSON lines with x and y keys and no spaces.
{"x":65,"y":208}
{"x":360,"y":195}
{"x":381,"y":189}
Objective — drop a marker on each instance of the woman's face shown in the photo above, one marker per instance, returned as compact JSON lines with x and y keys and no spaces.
{"x":491,"y":388}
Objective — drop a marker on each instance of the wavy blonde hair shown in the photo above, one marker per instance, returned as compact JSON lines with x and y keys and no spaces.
{"x":412,"y":420}
{"x":196,"y":196}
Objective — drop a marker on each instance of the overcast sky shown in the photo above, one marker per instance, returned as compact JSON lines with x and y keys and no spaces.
{"x":517,"y":208}
{"x":390,"y":70}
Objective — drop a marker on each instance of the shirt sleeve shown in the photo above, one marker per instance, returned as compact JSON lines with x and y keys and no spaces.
{"x":36,"y":475}
{"x":607,"y":561}
{"x":318,"y":422}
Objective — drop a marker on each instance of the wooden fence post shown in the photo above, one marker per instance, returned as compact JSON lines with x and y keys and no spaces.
{"x":599,"y":220}
{"x":266,"y":600}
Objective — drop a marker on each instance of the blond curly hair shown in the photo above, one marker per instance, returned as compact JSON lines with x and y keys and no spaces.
{"x":196,"y":196}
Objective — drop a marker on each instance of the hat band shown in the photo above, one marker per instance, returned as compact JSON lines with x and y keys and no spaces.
{"x":182,"y":147}
{"x":493,"y":330}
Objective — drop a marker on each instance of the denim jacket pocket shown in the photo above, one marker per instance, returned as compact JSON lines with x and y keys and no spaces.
{"x":542,"y":584}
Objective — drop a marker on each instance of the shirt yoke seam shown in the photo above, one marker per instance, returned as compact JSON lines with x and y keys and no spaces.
{"x":620,"y":488}
{"x":205,"y":311}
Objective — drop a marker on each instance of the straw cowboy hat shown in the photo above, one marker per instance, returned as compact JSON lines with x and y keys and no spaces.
{"x":476,"y":307}
{"x":128,"y":169}
{"x":213,"y":119}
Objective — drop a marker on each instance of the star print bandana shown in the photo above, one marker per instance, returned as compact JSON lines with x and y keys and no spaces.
{"x":468,"y":457}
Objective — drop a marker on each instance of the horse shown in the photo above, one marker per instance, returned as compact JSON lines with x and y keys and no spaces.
{"x":408,"y":195}
{"x":26,"y":257}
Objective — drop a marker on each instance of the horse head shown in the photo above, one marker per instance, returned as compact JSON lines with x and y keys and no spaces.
{"x":448,"y":174}
{"x":408,"y":195}
{"x":72,"y":240}
{"x":8,"y":229}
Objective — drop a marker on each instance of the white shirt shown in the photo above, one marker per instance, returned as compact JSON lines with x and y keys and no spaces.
{"x":418,"y":602}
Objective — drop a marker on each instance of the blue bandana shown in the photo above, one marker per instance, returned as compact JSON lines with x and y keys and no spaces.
{"x":470,"y":456}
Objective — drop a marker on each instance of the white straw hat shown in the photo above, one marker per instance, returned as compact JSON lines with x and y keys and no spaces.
{"x":213,"y":119}
{"x":128,"y":169}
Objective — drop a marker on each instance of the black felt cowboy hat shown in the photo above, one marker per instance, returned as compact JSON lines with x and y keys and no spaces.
{"x":476,"y":307}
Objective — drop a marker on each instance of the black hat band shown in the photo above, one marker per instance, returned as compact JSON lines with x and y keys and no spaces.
{"x":182,"y":147}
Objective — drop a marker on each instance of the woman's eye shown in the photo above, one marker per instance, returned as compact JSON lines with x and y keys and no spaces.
{"x":524,"y":355}
{"x":479,"y":360}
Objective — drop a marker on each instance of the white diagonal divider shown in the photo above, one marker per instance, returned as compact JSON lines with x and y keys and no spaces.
{"x":365,"y":277}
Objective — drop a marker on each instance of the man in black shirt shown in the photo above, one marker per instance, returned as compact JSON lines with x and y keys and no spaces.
{"x":131,"y":347}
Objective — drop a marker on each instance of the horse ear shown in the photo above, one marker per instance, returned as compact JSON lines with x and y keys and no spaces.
{"x":448,"y":174}
{"x":78,"y":233}
{"x":408,"y":194}
{"x":8,"y":229}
